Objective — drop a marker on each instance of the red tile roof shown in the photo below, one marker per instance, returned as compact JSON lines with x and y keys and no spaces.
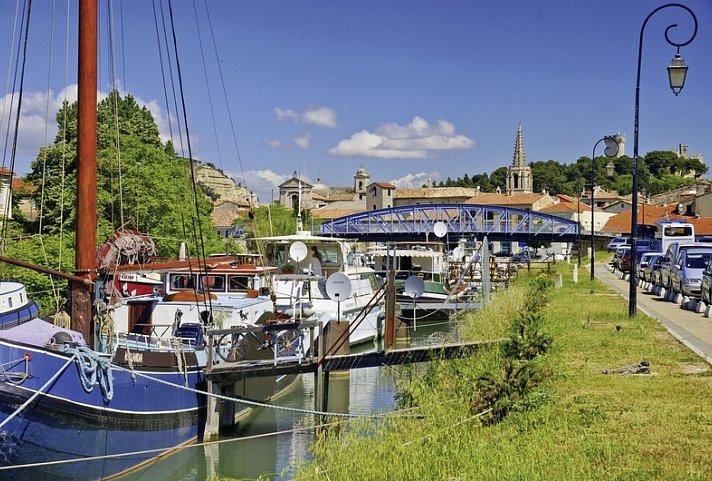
{"x":651,"y":214}
{"x":503,"y":199}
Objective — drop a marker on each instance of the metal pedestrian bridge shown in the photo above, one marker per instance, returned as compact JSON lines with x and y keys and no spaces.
{"x":417,"y":222}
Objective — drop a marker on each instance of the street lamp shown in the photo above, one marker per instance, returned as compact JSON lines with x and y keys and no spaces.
{"x":611,"y":150}
{"x":676,"y":74}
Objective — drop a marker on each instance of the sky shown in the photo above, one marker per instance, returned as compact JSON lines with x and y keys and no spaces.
{"x":412,"y":90}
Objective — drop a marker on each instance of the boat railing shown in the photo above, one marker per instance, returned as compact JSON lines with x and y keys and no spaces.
{"x":286,"y":340}
{"x":157,"y":338}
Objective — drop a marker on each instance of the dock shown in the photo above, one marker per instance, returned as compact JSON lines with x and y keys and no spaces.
{"x":273,"y":363}
{"x":234,"y":371}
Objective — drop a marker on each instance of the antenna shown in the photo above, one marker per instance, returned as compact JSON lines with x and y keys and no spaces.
{"x":440,"y":229}
{"x":338,"y":288}
{"x":414,"y":287}
{"x":300,"y":227}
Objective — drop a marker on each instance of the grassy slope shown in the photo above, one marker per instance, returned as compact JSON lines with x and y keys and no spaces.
{"x":580,"y":425}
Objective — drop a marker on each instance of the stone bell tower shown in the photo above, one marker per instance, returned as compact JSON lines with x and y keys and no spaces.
{"x":519,"y":175}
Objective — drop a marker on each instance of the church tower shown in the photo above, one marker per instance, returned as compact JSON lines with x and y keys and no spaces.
{"x":519,"y":175}
{"x":361,"y":181}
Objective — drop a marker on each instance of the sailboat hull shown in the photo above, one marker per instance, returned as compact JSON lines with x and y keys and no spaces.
{"x":84,"y":430}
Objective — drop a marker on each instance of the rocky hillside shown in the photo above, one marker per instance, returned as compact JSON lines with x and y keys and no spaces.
{"x":222,"y":186}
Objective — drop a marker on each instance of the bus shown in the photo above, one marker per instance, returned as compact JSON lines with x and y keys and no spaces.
{"x":675,"y":231}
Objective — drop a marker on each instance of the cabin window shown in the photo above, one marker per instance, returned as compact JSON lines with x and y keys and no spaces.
{"x":182,"y":281}
{"x":9,"y":300}
{"x":213,"y":283}
{"x":237,"y":283}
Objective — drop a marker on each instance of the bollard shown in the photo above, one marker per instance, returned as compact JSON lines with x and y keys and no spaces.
{"x":575,"y":274}
{"x":558,"y":280}
{"x":700,"y":306}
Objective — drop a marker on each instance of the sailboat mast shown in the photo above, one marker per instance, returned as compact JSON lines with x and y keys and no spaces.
{"x":85,"y":249}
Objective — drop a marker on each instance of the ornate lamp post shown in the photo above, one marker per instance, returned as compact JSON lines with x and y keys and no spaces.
{"x":611,"y":150}
{"x":676,"y":73}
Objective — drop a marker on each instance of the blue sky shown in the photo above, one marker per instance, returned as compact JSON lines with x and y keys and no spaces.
{"x":410,"y":89}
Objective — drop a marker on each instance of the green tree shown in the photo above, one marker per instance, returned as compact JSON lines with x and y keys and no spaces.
{"x":141,"y":184}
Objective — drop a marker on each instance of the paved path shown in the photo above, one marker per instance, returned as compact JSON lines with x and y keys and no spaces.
{"x":692,"y":329}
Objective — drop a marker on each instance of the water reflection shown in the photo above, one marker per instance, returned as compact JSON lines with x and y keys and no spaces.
{"x":251,"y":450}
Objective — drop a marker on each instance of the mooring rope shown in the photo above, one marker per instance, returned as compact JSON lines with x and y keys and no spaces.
{"x":248,"y":402}
{"x":93,"y":370}
{"x":38,"y":392}
{"x":162,"y":450}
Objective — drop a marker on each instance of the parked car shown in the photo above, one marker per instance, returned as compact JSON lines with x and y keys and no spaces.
{"x":617,"y":242}
{"x":646,"y":245}
{"x":706,"y":284}
{"x":652,"y":267}
{"x":618,"y":255}
{"x":686,"y":271}
{"x":644,"y":260}
{"x":626,"y":260}
{"x":671,"y":255}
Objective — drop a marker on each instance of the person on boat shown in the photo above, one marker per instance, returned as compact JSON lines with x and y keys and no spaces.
{"x":316,"y":261}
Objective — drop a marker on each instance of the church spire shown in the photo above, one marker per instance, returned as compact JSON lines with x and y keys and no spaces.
{"x":519,"y":175}
{"x":520,"y":159}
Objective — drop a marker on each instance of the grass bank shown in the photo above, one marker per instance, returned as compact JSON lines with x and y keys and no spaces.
{"x":574,"y":423}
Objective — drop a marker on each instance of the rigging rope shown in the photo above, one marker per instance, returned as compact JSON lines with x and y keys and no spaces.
{"x":227,"y":104}
{"x":197,"y":233}
{"x":207,"y":85}
{"x":17,"y":117}
{"x":7,"y":82}
{"x":93,"y":369}
{"x":43,"y":152}
{"x":115,"y":111}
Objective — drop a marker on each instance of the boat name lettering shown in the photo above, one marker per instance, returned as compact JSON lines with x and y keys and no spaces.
{"x":135,"y":356}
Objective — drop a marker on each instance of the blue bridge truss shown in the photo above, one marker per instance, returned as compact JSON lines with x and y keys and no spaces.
{"x":416,"y":222}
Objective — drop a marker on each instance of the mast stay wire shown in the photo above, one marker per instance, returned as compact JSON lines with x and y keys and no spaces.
{"x":207,"y":85}
{"x":17,"y":116}
{"x":55,"y":289}
{"x":173,"y":86}
{"x":115,"y":105}
{"x":231,"y":121}
{"x":197,"y":226}
{"x":7,"y":82}
{"x":227,"y":104}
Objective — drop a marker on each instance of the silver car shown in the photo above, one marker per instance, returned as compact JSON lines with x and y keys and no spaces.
{"x":686,"y":271}
{"x":644,"y":263}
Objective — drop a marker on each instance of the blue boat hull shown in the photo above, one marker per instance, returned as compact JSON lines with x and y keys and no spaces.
{"x":153,"y":414}
{"x":18,"y":316}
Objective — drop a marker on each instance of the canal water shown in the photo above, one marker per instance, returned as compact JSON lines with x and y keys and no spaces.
{"x":271,"y":441}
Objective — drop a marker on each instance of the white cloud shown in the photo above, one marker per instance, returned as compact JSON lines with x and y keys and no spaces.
{"x":417,"y":140}
{"x":38,"y":124}
{"x":263,"y":183}
{"x":411,"y":181}
{"x":319,"y":116}
{"x":303,"y":142}
{"x":275,"y":144}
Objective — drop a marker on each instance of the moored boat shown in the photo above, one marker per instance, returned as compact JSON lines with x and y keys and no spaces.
{"x":15,"y":306}
{"x":300,"y":291}
{"x":427,"y":261}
